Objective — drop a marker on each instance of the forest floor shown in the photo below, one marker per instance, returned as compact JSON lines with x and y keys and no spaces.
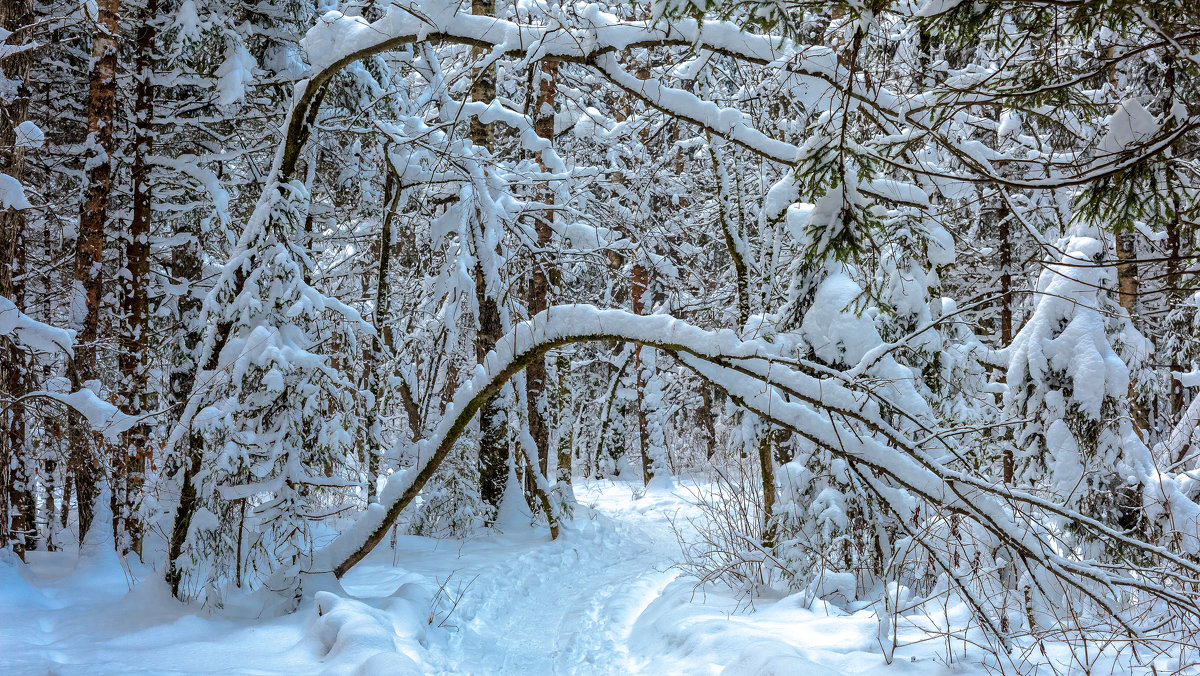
{"x":603,"y":599}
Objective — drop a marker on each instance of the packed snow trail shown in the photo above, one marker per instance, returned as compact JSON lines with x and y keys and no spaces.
{"x":525,"y":605}
{"x":602,"y":599}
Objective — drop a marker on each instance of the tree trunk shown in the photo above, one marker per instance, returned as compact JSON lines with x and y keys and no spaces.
{"x":131,"y":461}
{"x":89,"y":249}
{"x":186,"y":268}
{"x":638,"y":290}
{"x":766,"y":462}
{"x":542,"y":270}
{"x":706,"y":417}
{"x":1127,"y":278}
{"x":1174,"y":227}
{"x":483,"y":89}
{"x":1127,"y":293}
{"x":493,"y":426}
{"x":732,"y":239}
{"x":1006,"y":318}
{"x":566,"y":436}
{"x":18,"y":515}
{"x":381,"y":343}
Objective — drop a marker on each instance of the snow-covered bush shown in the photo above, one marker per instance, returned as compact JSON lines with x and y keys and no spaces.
{"x":1072,"y":389}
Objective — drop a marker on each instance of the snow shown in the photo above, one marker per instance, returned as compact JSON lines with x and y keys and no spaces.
{"x":28,"y":135}
{"x":12,"y":194}
{"x":936,"y":7}
{"x":1080,"y":348}
{"x":606,"y":597}
{"x":30,"y":333}
{"x":837,"y":333}
{"x":1129,"y":126}
{"x":100,"y":415}
{"x":603,"y":599}
{"x":234,"y":74}
{"x":67,"y":621}
{"x":187,"y":21}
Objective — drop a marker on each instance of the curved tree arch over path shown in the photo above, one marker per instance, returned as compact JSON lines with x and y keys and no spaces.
{"x":339,"y":41}
{"x":834,"y":411}
{"x":838,"y":415}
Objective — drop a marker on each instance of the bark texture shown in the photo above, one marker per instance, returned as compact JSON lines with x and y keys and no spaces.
{"x":131,"y":461}
{"x":542,"y":270}
{"x":89,"y":252}
{"x":18,"y":514}
{"x":493,"y":426}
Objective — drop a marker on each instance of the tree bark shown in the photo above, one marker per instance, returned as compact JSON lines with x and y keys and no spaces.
{"x":18,"y":510}
{"x":493,"y":426}
{"x":566,"y":437}
{"x":1006,"y":319}
{"x":381,"y":343}
{"x":766,"y":461}
{"x":1127,"y":278}
{"x":638,"y":290}
{"x":1174,"y":227}
{"x":542,"y":269}
{"x":131,"y":461}
{"x":89,"y":250}
{"x":187,"y":269}
{"x":741,"y":274}
{"x":706,"y":416}
{"x":1127,"y":294}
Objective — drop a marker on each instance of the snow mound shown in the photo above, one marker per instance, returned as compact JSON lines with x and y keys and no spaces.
{"x":360,"y":639}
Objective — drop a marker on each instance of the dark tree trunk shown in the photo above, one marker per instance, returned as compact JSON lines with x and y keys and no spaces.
{"x":18,"y":515}
{"x":89,"y":249}
{"x":1006,"y":316}
{"x":1128,"y":290}
{"x":543,"y":271}
{"x":766,"y":442}
{"x":493,"y":425}
{"x":638,"y":295}
{"x":566,"y":437}
{"x":1174,"y":279}
{"x":381,"y":343}
{"x":187,"y":269}
{"x":131,"y":461}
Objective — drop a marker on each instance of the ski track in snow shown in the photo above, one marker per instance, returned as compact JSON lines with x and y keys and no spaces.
{"x":527,"y":605}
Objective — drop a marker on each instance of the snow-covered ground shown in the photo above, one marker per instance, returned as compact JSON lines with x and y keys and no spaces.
{"x":603,"y":599}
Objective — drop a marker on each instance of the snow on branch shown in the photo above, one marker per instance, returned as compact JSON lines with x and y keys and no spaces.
{"x":32,"y":334}
{"x":836,"y":415}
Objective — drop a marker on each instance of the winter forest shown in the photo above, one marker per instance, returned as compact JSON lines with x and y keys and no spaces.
{"x":599,"y":336}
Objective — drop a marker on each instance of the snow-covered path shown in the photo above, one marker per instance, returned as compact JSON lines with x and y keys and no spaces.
{"x":526,"y":605}
{"x":602,"y":599}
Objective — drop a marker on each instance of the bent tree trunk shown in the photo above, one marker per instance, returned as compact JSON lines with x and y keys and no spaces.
{"x":810,"y":402}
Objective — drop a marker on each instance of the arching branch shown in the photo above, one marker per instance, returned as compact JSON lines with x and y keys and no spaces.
{"x":754,"y":376}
